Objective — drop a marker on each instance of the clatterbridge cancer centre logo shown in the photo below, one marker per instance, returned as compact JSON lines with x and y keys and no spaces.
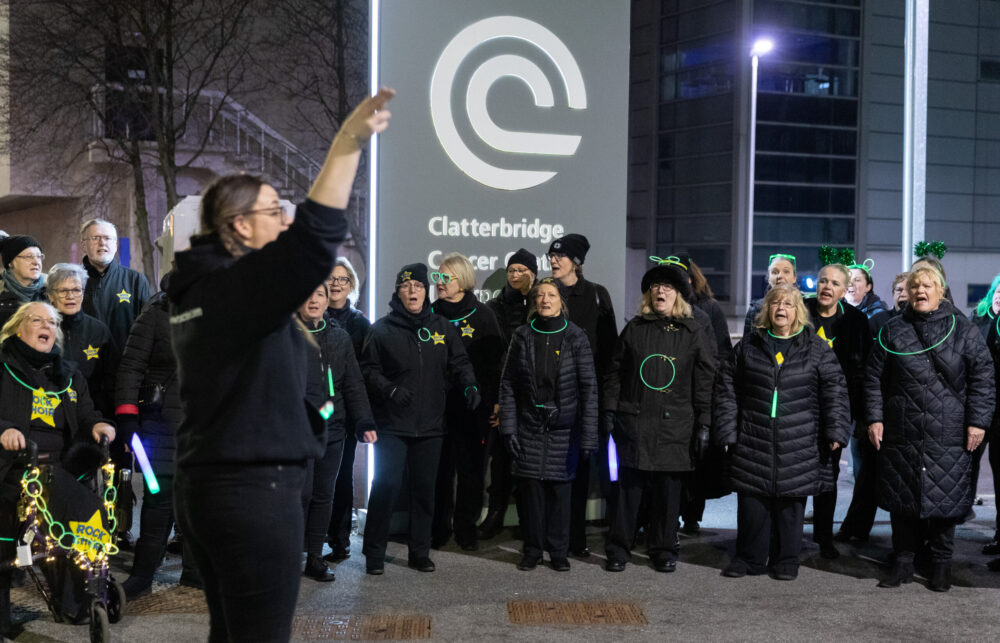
{"x":503,"y":65}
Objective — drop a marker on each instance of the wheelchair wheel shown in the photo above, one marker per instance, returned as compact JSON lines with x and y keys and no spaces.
{"x":100,"y":628}
{"x":116,"y":601}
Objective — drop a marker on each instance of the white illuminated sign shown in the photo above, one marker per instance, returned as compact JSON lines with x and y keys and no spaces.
{"x":506,"y":65}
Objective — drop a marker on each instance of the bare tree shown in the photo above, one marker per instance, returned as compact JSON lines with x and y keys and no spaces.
{"x":133,"y":75}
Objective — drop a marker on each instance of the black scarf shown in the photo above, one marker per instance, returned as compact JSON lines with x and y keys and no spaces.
{"x":48,"y":365}
{"x":457,"y":309}
{"x":398,"y":310}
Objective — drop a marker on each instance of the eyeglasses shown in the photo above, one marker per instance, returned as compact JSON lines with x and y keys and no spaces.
{"x":97,"y":238}
{"x":275,"y":211}
{"x":517,"y":271}
{"x":340,"y":281}
{"x":663,"y":286}
{"x":411,"y":285}
{"x":38,"y":321}
{"x":32,"y":257}
{"x":442,"y":278}
{"x":782,"y":304}
{"x":553,"y":256}
{"x":66,"y":293}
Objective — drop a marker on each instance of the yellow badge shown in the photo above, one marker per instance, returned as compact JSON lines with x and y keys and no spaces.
{"x":438,"y":338}
{"x":91,"y":537}
{"x":72,"y":395}
{"x":467,"y":330}
{"x":406,"y":276}
{"x":44,"y":406}
{"x":124,"y":297}
{"x":822,"y":335}
{"x":779,"y":358}
{"x":91,"y":352}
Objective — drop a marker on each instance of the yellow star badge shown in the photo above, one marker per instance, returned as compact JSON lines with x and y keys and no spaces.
{"x":406,"y":276}
{"x":91,"y":352}
{"x":467,"y":330}
{"x":124,"y":297}
{"x":91,"y":537}
{"x":822,"y":335}
{"x":43,"y":406}
{"x":438,"y":338}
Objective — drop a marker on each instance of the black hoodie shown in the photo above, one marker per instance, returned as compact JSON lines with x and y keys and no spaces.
{"x":420,"y":353}
{"x":241,"y":357}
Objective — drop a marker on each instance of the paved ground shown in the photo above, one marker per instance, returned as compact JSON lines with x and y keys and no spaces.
{"x":467,"y":598}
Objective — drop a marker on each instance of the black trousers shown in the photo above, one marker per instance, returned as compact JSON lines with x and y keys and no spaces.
{"x":339,"y":534}
{"x":864,"y":503}
{"x":825,"y":504}
{"x":545,"y":511}
{"x":244,"y":527}
{"x":758,"y":520}
{"x":463,"y":456}
{"x":910,"y":534}
{"x":660,"y":492}
{"x":155,"y":521}
{"x":501,"y":478}
{"x":419,"y":458}
{"x":321,"y":477}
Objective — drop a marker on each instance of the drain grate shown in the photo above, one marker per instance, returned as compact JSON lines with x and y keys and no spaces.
{"x":574,"y":613}
{"x":175,"y":600}
{"x":367,"y":627}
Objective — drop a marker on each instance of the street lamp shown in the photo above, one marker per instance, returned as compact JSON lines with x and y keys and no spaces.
{"x":760,"y":47}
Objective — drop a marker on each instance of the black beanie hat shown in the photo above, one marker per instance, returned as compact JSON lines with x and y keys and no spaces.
{"x":412,"y":272}
{"x":574,"y":246}
{"x":673,"y":273}
{"x":524,"y":258}
{"x":15,"y":245}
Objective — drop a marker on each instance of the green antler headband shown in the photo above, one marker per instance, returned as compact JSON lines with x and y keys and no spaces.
{"x":925,"y":248}
{"x":865,"y":265}
{"x":671,"y":260}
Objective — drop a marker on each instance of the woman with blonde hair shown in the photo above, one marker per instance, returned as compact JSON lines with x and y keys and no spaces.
{"x":658,"y":397}
{"x":463,"y":451}
{"x":930,"y":397}
{"x":781,"y":409}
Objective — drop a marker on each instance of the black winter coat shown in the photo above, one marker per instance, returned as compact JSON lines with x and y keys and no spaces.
{"x":550,"y":438}
{"x":422,"y":354}
{"x":851,"y":344}
{"x":987,"y":325}
{"x":781,"y":448}
{"x":148,"y":361}
{"x":926,"y":402}
{"x":338,"y":367}
{"x":116,"y":297}
{"x":10,"y":302}
{"x":875,"y":310}
{"x":241,"y":357}
{"x":354,"y":322}
{"x":481,"y":336}
{"x":88,"y":342}
{"x":589,"y":307}
{"x":719,"y":326}
{"x":752,"y":311}
{"x":654,"y":428}
{"x":511,"y":310}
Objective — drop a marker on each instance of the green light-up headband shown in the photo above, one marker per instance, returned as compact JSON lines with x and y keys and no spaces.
{"x":790,"y":258}
{"x":866,"y":265}
{"x":669,"y":261}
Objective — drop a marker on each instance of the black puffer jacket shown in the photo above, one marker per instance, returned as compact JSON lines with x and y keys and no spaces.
{"x":875,"y":310}
{"x":851,"y":343}
{"x":420,"y":353}
{"x":149,"y":361}
{"x":483,"y":341}
{"x":926,"y":402}
{"x":88,"y":342}
{"x":550,"y":438}
{"x":786,"y":455}
{"x":654,"y":428}
{"x":339,"y":370}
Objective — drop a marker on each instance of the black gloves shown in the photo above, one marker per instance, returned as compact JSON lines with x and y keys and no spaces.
{"x":513,"y":446}
{"x":472,"y":398}
{"x":702,"y":442}
{"x":401,"y":396}
{"x":127,"y":424}
{"x":607,"y":424}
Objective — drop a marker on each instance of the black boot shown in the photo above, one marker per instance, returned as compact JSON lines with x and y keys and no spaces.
{"x":136,"y":586}
{"x":940,"y":580}
{"x":901,"y":573}
{"x":316,"y":569}
{"x":492,"y":524}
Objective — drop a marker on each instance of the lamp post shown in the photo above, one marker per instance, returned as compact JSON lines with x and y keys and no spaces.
{"x":760,"y":47}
